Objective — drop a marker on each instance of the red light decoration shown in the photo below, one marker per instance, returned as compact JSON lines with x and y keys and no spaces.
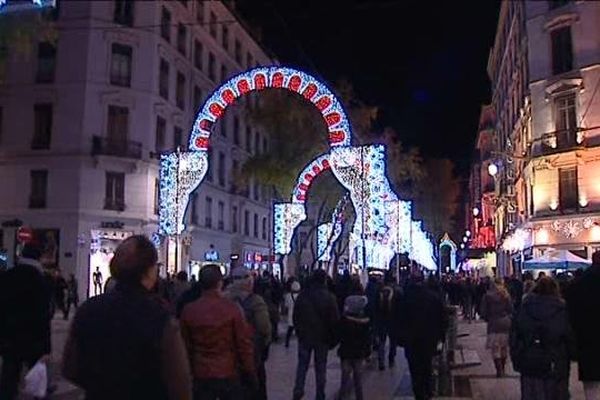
{"x":260,"y":82}
{"x":337,"y":136}
{"x":277,"y":80}
{"x":310,"y":91}
{"x":243,"y":86}
{"x":205,"y":125}
{"x":333,"y":118}
{"x":294,"y":83}
{"x":216,"y":110}
{"x":322,"y":103}
{"x":228,"y":96}
{"x":202,"y":142}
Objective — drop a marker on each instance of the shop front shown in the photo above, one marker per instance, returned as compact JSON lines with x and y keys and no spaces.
{"x":103,"y":243}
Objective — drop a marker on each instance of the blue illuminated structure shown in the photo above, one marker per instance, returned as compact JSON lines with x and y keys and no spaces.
{"x":9,"y":6}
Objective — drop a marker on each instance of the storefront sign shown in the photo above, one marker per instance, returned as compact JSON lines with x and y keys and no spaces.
{"x":24,"y":234}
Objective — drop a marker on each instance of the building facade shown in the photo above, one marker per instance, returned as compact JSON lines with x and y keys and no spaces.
{"x":545,"y":92}
{"x":84,"y":117}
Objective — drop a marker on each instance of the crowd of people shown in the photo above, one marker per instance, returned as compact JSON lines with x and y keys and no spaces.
{"x":210,"y":338}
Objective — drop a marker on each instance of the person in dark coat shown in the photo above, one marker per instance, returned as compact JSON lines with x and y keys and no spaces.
{"x":515,"y":289}
{"x":542,"y":344}
{"x":583,"y":301}
{"x":315,"y":318}
{"x":124,"y":344}
{"x":420,"y":323}
{"x":24,"y":319}
{"x":353,"y":331}
{"x":60,"y":293}
{"x":72,"y":294}
{"x":383,"y":312}
{"x":496,"y":309}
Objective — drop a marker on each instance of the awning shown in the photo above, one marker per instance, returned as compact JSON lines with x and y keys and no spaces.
{"x":557,"y":259}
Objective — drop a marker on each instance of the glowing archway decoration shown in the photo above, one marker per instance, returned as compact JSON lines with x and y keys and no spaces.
{"x":329,"y":232}
{"x":447,"y":242}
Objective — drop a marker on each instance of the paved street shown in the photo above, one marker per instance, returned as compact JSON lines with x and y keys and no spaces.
{"x":476,"y":382}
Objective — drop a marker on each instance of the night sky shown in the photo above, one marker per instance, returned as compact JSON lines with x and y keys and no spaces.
{"x":422,"y":62}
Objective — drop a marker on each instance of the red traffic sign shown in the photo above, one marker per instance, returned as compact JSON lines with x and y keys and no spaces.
{"x":25,"y":234}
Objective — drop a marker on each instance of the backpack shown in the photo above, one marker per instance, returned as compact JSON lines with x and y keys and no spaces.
{"x":533,"y":358}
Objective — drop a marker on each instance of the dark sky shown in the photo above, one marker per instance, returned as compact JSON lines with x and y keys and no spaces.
{"x":422,"y":62}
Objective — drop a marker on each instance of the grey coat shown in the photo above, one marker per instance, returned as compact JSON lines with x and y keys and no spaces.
{"x":496,"y":310}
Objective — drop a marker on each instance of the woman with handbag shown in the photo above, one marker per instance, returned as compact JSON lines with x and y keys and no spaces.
{"x":496,"y":310}
{"x":542,"y":343}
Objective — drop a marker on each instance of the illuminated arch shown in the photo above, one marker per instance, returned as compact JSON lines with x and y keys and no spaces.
{"x":447,"y":242}
{"x":260,"y":78}
{"x":307,"y":176}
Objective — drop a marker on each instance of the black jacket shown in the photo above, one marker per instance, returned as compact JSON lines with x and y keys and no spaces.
{"x":583,"y":301}
{"x":117,"y":337}
{"x":420,"y":318}
{"x":316,"y":316}
{"x":543,"y":317}
{"x":354,"y":336}
{"x":383,"y":308}
{"x":24,"y":311}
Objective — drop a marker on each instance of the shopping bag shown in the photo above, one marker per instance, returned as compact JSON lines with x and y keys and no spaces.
{"x":36,"y":380}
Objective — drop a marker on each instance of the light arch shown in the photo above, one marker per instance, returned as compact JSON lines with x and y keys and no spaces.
{"x":447,"y":242}
{"x":260,"y":78}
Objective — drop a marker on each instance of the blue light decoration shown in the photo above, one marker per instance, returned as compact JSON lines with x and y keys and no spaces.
{"x":180,"y":174}
{"x":307,"y":175}
{"x":272,"y":77}
{"x":398,"y":214}
{"x":9,"y":6}
{"x":286,"y":217}
{"x":446,"y":241}
{"x":422,"y":248}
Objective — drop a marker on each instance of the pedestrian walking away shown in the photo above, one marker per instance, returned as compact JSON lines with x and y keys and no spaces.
{"x":583,"y":301}
{"x":72,"y":294}
{"x":496,"y":309}
{"x":24,"y":317}
{"x":290,"y":302}
{"x":124,"y":344}
{"x":355,"y":345}
{"x":315,"y":319}
{"x":542,"y":343}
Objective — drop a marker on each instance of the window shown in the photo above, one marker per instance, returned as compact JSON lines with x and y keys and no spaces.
{"x":197,"y":97}
{"x":255,"y":231}
{"x":163,"y":79}
{"x":234,"y":219}
{"x":213,"y":25}
{"x":265,"y":145}
{"x":1,"y":123}
{"x":211,"y":66}
{"x":42,"y":126}
{"x":177,"y":137}
{"x":120,"y":65}
{"x":123,"y":12}
{"x":221,"y":172}
{"x":165,"y":24}
{"x":567,"y":186}
{"x":249,"y":60}
{"x":562,"y":52}
{"x":46,"y":66}
{"x":247,"y":223}
{"x":236,"y":130}
{"x":235,"y":175}
{"x":249,"y":139}
{"x":208,"y":211}
{"x":194,"y":211}
{"x":161,"y":130}
{"x":257,"y":142}
{"x":118,"y":125}
{"x":225,"y":37}
{"x":552,"y":4}
{"x":115,"y":191}
{"x":156,"y":196}
{"x":39,"y":189}
{"x":223,"y":73}
{"x":264,"y":228}
{"x":238,"y":51}
{"x":256,"y":190}
{"x":209,"y":172}
{"x":180,"y":91}
{"x":221,"y":215}
{"x":198,"y":50}
{"x":566,"y":120}
{"x":200,"y":11}
{"x":181,"y":38}
{"x":224,"y":126}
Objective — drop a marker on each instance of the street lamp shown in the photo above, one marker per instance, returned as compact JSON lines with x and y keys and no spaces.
{"x":475,"y":211}
{"x":468,"y":233}
{"x":493,"y":171}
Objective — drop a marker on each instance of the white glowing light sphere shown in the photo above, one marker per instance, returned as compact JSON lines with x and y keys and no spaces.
{"x":492,"y":169}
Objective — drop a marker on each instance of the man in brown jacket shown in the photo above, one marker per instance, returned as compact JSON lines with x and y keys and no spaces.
{"x":218,"y":340}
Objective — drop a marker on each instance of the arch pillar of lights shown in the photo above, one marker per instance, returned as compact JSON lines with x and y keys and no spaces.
{"x":447,"y":242}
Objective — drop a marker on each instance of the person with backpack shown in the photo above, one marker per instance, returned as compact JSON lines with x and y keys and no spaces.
{"x":315,"y":319}
{"x":256,"y":312}
{"x":382,"y":320}
{"x":542,"y":343}
{"x":290,"y":301}
{"x":496,"y":309}
{"x":355,"y":345}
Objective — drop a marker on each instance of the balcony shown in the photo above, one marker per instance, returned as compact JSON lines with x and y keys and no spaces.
{"x":559,"y":142}
{"x":114,"y":204}
{"x":118,"y":148}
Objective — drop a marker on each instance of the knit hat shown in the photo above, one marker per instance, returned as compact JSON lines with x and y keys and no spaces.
{"x":355,"y":305}
{"x":295,"y":286}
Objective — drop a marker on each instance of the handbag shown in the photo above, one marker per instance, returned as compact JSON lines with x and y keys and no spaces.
{"x":36,"y":380}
